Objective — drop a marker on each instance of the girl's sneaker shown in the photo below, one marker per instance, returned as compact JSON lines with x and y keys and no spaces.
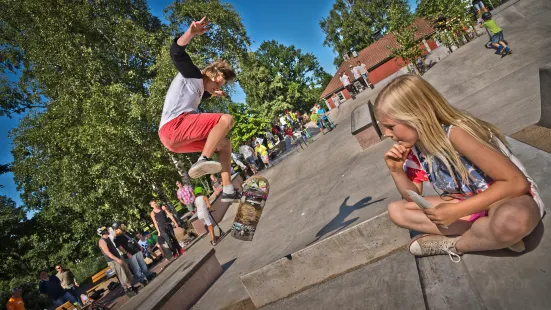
{"x":203,"y":167}
{"x":518,"y":247}
{"x":427,"y":245}
{"x":499,"y":50}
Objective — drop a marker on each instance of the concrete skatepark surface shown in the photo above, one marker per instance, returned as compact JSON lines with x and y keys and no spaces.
{"x":332,"y":186}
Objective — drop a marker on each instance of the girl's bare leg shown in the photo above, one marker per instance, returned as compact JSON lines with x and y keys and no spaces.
{"x":508,"y":221}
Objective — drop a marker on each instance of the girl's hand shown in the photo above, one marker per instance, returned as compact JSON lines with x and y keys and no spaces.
{"x":219,"y":93}
{"x":443,"y":214}
{"x":199,"y":27}
{"x":395,"y":157}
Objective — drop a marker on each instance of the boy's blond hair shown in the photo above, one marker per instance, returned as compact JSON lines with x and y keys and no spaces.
{"x":410,"y":100}
{"x":219,"y":68}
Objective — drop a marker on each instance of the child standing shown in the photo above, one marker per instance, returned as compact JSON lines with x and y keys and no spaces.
{"x":487,"y":201}
{"x":263,"y":153}
{"x":203,"y":206}
{"x":498,"y":41}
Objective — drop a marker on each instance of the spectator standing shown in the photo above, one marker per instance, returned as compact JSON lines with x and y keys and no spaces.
{"x":68,"y":281}
{"x":51,"y":286}
{"x":248,"y":153}
{"x":203,"y":207}
{"x":160,"y":218}
{"x":345,"y":80}
{"x":365,"y":74}
{"x":357,"y":76}
{"x":16,"y":301}
{"x":132,"y":253}
{"x":263,"y":153}
{"x":185,"y":195}
{"x":114,"y":261}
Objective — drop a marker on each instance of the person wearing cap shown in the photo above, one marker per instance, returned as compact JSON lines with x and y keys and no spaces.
{"x":51,"y":286}
{"x":132,"y":254}
{"x":114,"y":261}
{"x":203,"y":206}
{"x":68,"y":281}
{"x":16,"y":301}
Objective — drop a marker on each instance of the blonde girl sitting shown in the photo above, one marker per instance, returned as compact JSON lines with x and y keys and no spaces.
{"x":486,"y":200}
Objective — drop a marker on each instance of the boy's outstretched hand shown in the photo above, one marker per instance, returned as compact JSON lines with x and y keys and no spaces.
{"x":219,"y":93}
{"x":199,"y":27}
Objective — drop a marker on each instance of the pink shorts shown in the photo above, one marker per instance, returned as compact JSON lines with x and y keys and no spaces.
{"x":188,"y":132}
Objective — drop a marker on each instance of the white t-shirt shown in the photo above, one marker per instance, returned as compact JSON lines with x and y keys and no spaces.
{"x":186,"y":90}
{"x":362,"y":68}
{"x":246,"y":151}
{"x":345,"y":80}
{"x":202,"y":208}
{"x":356,"y":72}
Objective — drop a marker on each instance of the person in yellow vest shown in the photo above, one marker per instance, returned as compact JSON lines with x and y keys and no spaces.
{"x":263,"y":153}
{"x":16,"y":302}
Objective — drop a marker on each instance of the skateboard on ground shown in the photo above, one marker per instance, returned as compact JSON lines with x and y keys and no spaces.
{"x":254,"y":195}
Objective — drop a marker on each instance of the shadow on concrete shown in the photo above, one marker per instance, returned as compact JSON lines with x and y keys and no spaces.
{"x":227,"y":265}
{"x":338,"y":223}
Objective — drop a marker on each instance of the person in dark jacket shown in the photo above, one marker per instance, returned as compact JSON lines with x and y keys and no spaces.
{"x":51,"y":286}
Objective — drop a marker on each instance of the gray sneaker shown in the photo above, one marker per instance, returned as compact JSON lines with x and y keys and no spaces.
{"x":427,"y":245}
{"x":203,"y":167}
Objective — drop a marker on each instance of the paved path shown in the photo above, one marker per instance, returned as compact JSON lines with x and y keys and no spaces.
{"x":333,"y":185}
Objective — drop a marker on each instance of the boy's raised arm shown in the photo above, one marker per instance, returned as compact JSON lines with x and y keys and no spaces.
{"x":178,"y":53}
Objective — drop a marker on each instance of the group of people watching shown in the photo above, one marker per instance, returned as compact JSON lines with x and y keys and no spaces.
{"x":361,"y":75}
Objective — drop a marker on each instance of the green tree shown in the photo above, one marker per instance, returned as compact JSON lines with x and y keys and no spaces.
{"x":402,"y":27}
{"x":451,"y":17}
{"x":90,"y":155}
{"x":353,"y":25}
{"x":277,"y":77}
{"x":246,"y":124}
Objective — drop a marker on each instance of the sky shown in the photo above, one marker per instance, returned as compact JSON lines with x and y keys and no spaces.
{"x":290,"y":22}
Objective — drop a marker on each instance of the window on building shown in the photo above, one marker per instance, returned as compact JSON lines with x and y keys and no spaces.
{"x":341,"y":96}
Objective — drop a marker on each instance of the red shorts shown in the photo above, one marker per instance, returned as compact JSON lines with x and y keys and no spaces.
{"x":188,"y":132}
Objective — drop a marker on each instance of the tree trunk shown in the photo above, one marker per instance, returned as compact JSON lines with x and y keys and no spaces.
{"x":181,"y":169}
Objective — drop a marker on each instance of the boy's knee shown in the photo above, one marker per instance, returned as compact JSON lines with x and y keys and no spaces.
{"x":227,"y":120}
{"x":395,"y":212}
{"x":510,"y":225}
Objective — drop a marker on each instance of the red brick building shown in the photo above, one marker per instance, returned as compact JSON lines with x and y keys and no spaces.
{"x":377,"y":58}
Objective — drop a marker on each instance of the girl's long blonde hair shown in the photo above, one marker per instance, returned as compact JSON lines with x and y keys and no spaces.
{"x":410,"y":100}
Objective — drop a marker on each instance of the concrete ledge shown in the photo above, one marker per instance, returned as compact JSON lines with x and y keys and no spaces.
{"x":390,"y":283}
{"x":364,"y":126}
{"x":180,"y":285}
{"x":545,"y":94}
{"x":364,"y":243}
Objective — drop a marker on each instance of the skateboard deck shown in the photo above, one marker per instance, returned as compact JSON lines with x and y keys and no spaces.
{"x":251,"y":205}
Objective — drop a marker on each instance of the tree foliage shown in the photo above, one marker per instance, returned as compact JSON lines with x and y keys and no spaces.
{"x":277,"y":77}
{"x":402,"y":27}
{"x":246,"y":125}
{"x":451,"y":17}
{"x":353,"y":25}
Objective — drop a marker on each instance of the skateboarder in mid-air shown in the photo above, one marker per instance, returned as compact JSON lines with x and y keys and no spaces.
{"x":182,"y":128}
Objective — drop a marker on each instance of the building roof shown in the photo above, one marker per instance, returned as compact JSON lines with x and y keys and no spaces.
{"x":375,"y":54}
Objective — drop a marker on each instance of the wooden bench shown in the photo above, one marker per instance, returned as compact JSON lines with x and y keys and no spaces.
{"x":67,"y":306}
{"x":364,"y":126}
{"x":97,"y":278}
{"x":545,"y":92}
